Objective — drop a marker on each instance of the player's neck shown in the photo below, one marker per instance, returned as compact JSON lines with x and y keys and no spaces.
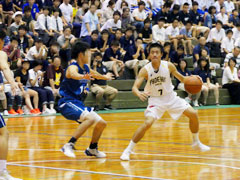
{"x":156,"y":65}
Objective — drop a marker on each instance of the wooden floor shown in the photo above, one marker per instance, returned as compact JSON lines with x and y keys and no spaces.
{"x":164,"y":153}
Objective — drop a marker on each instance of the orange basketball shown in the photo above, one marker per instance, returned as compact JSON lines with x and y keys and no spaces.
{"x":193,"y":84}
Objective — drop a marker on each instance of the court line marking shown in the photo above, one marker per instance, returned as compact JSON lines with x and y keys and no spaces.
{"x":146,"y":154}
{"x":86,"y":171}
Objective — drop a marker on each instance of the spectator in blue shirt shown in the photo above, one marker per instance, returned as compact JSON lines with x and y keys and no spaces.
{"x":127,"y":40}
{"x":41,"y":4}
{"x":104,"y":40}
{"x":176,"y":56}
{"x":163,"y":13}
{"x":92,"y":41}
{"x":204,"y":72}
{"x":234,"y":18}
{"x":210,"y":19}
{"x":197,"y":50}
{"x":174,"y":14}
{"x":187,"y":33}
{"x":34,"y":8}
{"x":112,"y":59}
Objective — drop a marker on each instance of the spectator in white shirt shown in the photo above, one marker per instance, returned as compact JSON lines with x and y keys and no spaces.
{"x":216,"y":34}
{"x":227,"y":43}
{"x":222,"y":16}
{"x":108,"y":12}
{"x":237,"y":42}
{"x":235,"y":54}
{"x":157,"y":4}
{"x":218,"y":4}
{"x":57,"y":24}
{"x":229,"y":6}
{"x":173,"y":34}
{"x":236,"y":32}
{"x":113,"y":24}
{"x":67,"y":12}
{"x":159,"y":32}
{"x":44,"y":26}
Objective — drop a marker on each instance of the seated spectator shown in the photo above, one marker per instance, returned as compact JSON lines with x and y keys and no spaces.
{"x":210,"y":19}
{"x":113,"y":24}
{"x":25,"y":41}
{"x":215,"y":38}
{"x":229,"y":6}
{"x":173,"y":14}
{"x":218,"y":4}
{"x":90,"y":22}
{"x":66,"y":41}
{"x":108,"y":13}
{"x":41,"y":3}
{"x":231,"y":81}
{"x":21,"y":76}
{"x":93,"y":41}
{"x":224,"y":18}
{"x":176,"y":56}
{"x":111,"y":59}
{"x":146,"y":32}
{"x":227,"y":44}
{"x":159,"y":32}
{"x":182,"y":69}
{"x":173,"y":34}
{"x":17,"y":22}
{"x":187,"y":33}
{"x":197,"y":50}
{"x":117,"y":36}
{"x":37,"y":52}
{"x":67,"y":13}
{"x":7,"y":6}
{"x":163,"y":13}
{"x":57,"y":24}
{"x":3,"y":98}
{"x":28,"y":20}
{"x":53,"y":51}
{"x":104,"y":41}
{"x":100,"y":87}
{"x":128,"y":39}
{"x":44,"y":26}
{"x":184,"y":15}
{"x":126,"y":19}
{"x":166,"y":51}
{"x":34,"y":8}
{"x":135,"y":58}
{"x":236,"y":32}
{"x":34,"y":82}
{"x":182,"y":2}
{"x":203,"y":71}
{"x":54,"y":76}
{"x":139,"y":15}
{"x":235,"y":54}
{"x":13,"y":52}
{"x":11,"y":97}
{"x":234,"y":18}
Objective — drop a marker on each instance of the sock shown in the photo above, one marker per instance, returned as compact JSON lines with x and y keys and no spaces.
{"x":93,"y":145}
{"x":195,"y":137}
{"x":131,"y":145}
{"x":3,"y":165}
{"x":72,"y":140}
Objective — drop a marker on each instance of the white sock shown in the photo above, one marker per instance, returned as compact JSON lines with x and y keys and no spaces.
{"x":131,"y":145}
{"x":3,"y":165}
{"x":195,"y":137}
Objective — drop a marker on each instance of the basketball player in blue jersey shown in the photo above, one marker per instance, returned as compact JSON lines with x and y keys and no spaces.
{"x":71,"y":105}
{"x":161,"y":97}
{"x":4,"y":175}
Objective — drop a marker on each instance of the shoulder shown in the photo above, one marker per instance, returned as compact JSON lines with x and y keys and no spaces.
{"x":3,"y":55}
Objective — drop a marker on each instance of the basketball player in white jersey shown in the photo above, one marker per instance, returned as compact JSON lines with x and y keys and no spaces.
{"x":4,"y":175}
{"x":161,"y":98}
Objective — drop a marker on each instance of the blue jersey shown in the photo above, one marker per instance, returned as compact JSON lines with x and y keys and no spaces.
{"x":74,"y":89}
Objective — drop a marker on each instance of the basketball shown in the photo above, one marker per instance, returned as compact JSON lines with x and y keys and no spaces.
{"x":193,"y":85}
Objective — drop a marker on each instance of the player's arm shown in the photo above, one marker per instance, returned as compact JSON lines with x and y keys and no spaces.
{"x":97,"y":75}
{"x":72,"y":73}
{"x":6,"y":71}
{"x":138,"y":82}
{"x":173,"y":71}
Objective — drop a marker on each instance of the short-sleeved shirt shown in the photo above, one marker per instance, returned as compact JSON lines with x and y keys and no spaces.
{"x":184,"y":31}
{"x":161,"y":14}
{"x":126,"y":43}
{"x":101,"y":42}
{"x":184,"y":17}
{"x":33,"y":50}
{"x":202,"y":73}
{"x":233,"y":20}
{"x":56,"y":75}
{"x":102,"y":70}
{"x":34,"y":10}
{"x":32,"y":75}
{"x":7,"y":6}
{"x":130,"y":52}
{"x":23,"y":77}
{"x":92,"y":20}
{"x":61,"y":41}
{"x":146,"y":32}
{"x":175,"y":57}
{"x":172,"y":16}
{"x":184,"y":73}
{"x":195,"y":17}
{"x":197,"y":50}
{"x":67,"y":11}
{"x":109,"y":53}
{"x":8,"y":49}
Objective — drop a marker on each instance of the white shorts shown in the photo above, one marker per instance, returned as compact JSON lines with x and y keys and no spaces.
{"x":157,"y":106}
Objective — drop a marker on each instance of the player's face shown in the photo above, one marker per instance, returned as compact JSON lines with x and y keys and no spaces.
{"x":155,"y":54}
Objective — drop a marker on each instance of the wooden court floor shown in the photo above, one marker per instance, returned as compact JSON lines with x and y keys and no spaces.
{"x":164,"y":153}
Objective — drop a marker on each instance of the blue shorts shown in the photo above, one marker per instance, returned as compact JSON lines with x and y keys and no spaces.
{"x":2,"y":122}
{"x":73,"y":109}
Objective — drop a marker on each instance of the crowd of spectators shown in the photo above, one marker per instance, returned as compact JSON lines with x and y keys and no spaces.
{"x":40,"y":34}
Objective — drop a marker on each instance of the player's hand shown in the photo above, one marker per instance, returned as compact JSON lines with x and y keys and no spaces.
{"x":87,"y":76}
{"x":14,"y":87}
{"x":109,"y":76}
{"x":143,"y":96}
{"x":198,"y":77}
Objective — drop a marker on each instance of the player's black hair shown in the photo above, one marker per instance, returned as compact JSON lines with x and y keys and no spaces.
{"x":2,"y":34}
{"x":232,"y":59}
{"x":118,"y":29}
{"x":156,"y":45}
{"x":115,"y":43}
{"x":79,"y":47}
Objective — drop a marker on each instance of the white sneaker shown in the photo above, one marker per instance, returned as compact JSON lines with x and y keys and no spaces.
{"x":68,"y":150}
{"x":200,"y":146}
{"x":6,"y":176}
{"x":46,"y":112}
{"x":188,"y":100}
{"x":5,"y":113}
{"x":195,"y":103}
{"x":125,"y":155}
{"x":26,"y":110}
{"x":53,"y":111}
{"x":95,"y":152}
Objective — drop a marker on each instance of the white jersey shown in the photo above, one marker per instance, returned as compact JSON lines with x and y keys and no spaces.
{"x":159,"y":82}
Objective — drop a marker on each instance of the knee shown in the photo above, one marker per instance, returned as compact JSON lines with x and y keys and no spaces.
{"x":100,"y":93}
{"x":193,"y":115}
{"x":102,"y":123}
{"x":115,"y":91}
{"x":148,"y":123}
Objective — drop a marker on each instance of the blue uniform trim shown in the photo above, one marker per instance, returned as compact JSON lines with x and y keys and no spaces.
{"x":2,"y":122}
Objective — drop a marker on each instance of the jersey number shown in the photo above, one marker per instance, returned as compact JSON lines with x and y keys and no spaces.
{"x":160,"y":91}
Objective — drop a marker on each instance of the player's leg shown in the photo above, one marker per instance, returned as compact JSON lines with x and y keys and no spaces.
{"x":138,"y":135}
{"x":194,"y":127}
